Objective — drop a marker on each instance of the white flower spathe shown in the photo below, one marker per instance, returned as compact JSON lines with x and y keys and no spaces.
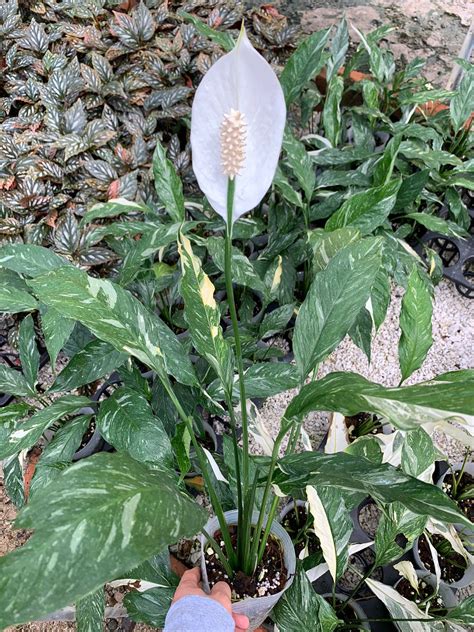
{"x":240,"y":86}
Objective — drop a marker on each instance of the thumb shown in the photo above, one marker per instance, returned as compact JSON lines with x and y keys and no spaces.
{"x":241,"y":622}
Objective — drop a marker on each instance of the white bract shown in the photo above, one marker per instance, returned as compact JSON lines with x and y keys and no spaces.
{"x":238,"y":119}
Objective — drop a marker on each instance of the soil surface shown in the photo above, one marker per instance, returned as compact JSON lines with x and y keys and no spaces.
{"x":430,"y":29}
{"x":426,"y":593}
{"x":269,"y":578}
{"x":466,"y":505}
{"x":299,"y":527}
{"x":452,"y":564}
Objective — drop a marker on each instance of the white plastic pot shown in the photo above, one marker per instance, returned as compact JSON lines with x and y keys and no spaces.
{"x":466,"y":580}
{"x":256,"y":608}
{"x":456,"y":468}
{"x":444,"y":591}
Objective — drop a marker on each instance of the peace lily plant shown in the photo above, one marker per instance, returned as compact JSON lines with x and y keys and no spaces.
{"x":112,"y":516}
{"x":237,"y":125}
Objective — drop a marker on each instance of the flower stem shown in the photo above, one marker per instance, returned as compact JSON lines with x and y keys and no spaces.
{"x":235,"y":328}
{"x":203,"y":465}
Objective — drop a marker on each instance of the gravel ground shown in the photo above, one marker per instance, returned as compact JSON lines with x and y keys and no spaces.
{"x":453,"y":334}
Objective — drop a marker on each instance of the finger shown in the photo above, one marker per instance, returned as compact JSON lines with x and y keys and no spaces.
{"x":241,"y":622}
{"x":221,"y":593}
{"x":189,"y":584}
{"x":191,"y":577}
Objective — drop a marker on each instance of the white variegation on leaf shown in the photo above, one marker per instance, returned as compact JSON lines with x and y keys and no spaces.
{"x":407,"y":570}
{"x":332,"y":525}
{"x":338,"y":437}
{"x":318,"y":571}
{"x":258,"y":429}
{"x":239,"y":102}
{"x":448,"y":531}
{"x":402,"y":608}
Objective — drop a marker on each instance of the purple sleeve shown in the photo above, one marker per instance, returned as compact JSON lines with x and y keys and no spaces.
{"x":195,"y":614}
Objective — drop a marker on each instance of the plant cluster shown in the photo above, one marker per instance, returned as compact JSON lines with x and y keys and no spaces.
{"x":86,"y":90}
{"x":204,"y":312}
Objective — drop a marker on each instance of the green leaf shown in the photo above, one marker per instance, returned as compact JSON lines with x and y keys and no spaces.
{"x":432,"y":158}
{"x":96,"y":360}
{"x":27,"y":433}
{"x":384,"y":168}
{"x":410,"y":188}
{"x":30,"y":259}
{"x":13,"y":382}
{"x":66,"y":441}
{"x":243,"y":271}
{"x":93,"y":523}
{"x":150,"y":606}
{"x":223,"y":39}
{"x":464,"y":612}
{"x":418,"y":453}
{"x":270,"y":378}
{"x":168,"y":184}
{"x":203,"y":315}
{"x":333,"y":526}
{"x":29,"y":354}
{"x":333,"y":302}
{"x":385,"y":483}
{"x":300,"y":163}
{"x":13,"y":480}
{"x":13,"y":412}
{"x":90,"y":612}
{"x":448,"y":395}
{"x":288,"y":192}
{"x":303,"y":65}
{"x":275,"y":321}
{"x":438,"y":224}
{"x":462,"y":104}
{"x":112,"y":208}
{"x":415,"y":324}
{"x":402,"y":609}
{"x":366,"y":210}
{"x":326,"y":245}
{"x":301,"y":608}
{"x":380,"y":297}
{"x":56,"y":331}
{"x":149,"y":244}
{"x":332,"y":110}
{"x":426,"y":95}
{"x":115,"y":316}
{"x":361,"y":332}
{"x":339,"y":46}
{"x":395,"y":520}
{"x":14,"y":300}
{"x":126,"y":421}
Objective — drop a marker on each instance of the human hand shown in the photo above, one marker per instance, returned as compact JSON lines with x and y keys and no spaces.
{"x":189,"y":585}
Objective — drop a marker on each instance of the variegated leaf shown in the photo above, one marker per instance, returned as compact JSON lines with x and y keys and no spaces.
{"x":335,"y":297}
{"x":415,"y":323}
{"x":127,"y":422}
{"x":203,"y":315}
{"x":115,"y":316}
{"x":332,"y":525}
{"x":26,"y":434}
{"x":93,"y":523}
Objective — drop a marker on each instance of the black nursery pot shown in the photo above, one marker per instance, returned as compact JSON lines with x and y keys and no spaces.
{"x":358,"y":611}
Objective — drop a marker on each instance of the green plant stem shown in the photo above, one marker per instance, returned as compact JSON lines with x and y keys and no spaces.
{"x":457,"y":479}
{"x":254,"y":557}
{"x":242,"y":529}
{"x":203,"y":465}
{"x":367,"y":574}
{"x":238,"y":474}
